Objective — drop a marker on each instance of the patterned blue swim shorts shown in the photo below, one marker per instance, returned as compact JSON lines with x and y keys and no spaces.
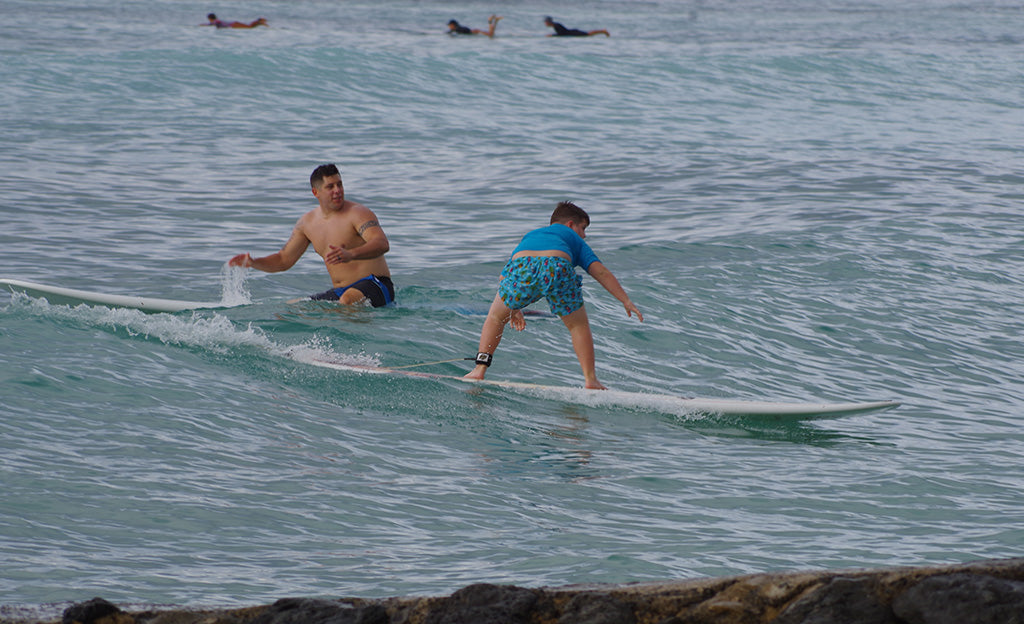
{"x":527,"y":279}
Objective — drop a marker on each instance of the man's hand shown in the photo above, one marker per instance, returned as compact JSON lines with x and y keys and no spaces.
{"x":338,"y":255}
{"x":242,"y":260}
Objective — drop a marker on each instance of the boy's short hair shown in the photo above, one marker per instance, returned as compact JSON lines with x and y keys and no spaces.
{"x":568,"y":211}
{"x":321,"y":172}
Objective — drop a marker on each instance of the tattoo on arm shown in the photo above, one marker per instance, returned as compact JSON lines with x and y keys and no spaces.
{"x":369,"y":224}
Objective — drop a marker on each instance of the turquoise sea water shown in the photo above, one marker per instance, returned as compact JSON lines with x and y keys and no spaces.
{"x":808,"y":201}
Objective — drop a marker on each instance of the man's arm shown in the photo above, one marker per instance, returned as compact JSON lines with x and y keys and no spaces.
{"x":605,"y":278}
{"x":279,"y":261}
{"x":375,"y":243}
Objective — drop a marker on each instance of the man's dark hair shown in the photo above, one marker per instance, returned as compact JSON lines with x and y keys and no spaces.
{"x":568,"y":211}
{"x":321,"y":172}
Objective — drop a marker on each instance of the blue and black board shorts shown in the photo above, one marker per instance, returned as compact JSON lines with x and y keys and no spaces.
{"x":377,"y":288}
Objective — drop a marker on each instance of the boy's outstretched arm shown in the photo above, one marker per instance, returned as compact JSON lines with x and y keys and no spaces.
{"x":605,"y":278}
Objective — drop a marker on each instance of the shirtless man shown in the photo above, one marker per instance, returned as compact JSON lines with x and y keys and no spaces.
{"x":347,"y":236}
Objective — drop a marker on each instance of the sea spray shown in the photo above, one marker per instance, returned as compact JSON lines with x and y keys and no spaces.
{"x":214,"y":332}
{"x":232,"y":286}
{"x":318,"y":348}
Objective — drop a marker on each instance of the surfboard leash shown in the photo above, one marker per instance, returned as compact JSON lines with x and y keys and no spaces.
{"x":481,"y":358}
{"x":431,"y":363}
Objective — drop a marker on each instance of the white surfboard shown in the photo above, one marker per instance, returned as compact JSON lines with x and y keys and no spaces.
{"x":640,"y":400}
{"x":59,"y":295}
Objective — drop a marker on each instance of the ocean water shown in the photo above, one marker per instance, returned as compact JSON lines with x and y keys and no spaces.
{"x":807,"y":200}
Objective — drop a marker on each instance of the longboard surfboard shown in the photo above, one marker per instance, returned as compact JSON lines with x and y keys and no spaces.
{"x":73,"y":296}
{"x":639,"y":400}
{"x":621,"y":398}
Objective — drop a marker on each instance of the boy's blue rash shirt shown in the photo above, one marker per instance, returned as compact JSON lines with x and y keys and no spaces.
{"x":560,"y":237}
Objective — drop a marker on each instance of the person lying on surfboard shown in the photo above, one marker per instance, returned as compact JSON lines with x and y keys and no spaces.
{"x":347,"y":236}
{"x":455,"y":28}
{"x":543,"y":265}
{"x":213,"y":21}
{"x":562,"y":31}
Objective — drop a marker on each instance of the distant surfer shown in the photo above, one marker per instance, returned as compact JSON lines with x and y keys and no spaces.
{"x":347,"y":236}
{"x":562,"y":31}
{"x":543,"y":265}
{"x":455,"y":28}
{"x":213,"y":21}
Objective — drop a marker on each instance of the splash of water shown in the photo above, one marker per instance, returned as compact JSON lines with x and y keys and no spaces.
{"x":232,"y":286}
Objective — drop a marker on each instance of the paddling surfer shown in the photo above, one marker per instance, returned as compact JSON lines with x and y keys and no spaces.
{"x":543,"y":265}
{"x":347,"y":236}
{"x":562,"y":31}
{"x":213,"y":21}
{"x":455,"y":28}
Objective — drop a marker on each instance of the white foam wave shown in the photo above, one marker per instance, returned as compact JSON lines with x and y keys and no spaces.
{"x":316,"y":349}
{"x":211,"y":332}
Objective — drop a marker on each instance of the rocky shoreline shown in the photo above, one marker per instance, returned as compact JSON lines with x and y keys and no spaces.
{"x":983,"y":592}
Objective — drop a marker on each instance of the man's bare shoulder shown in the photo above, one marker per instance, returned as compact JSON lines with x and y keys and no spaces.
{"x":361,"y":217}
{"x":306,"y":219}
{"x":357,"y":210}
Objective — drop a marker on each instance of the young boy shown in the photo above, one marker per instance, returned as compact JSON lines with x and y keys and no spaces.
{"x":543,"y":265}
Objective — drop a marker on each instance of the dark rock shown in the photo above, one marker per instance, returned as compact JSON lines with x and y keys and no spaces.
{"x":485,"y":604}
{"x":89,"y":611}
{"x":312,"y":611}
{"x":981,"y":592}
{"x":846,"y":600}
{"x":596,"y":608}
{"x":751,"y":599}
{"x":960,"y":598}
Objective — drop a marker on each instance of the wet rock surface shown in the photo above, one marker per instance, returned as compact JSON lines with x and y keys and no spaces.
{"x":984,"y":592}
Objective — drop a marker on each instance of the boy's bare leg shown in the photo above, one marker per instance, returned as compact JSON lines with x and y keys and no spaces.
{"x":583,"y":343}
{"x":490,"y":335}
